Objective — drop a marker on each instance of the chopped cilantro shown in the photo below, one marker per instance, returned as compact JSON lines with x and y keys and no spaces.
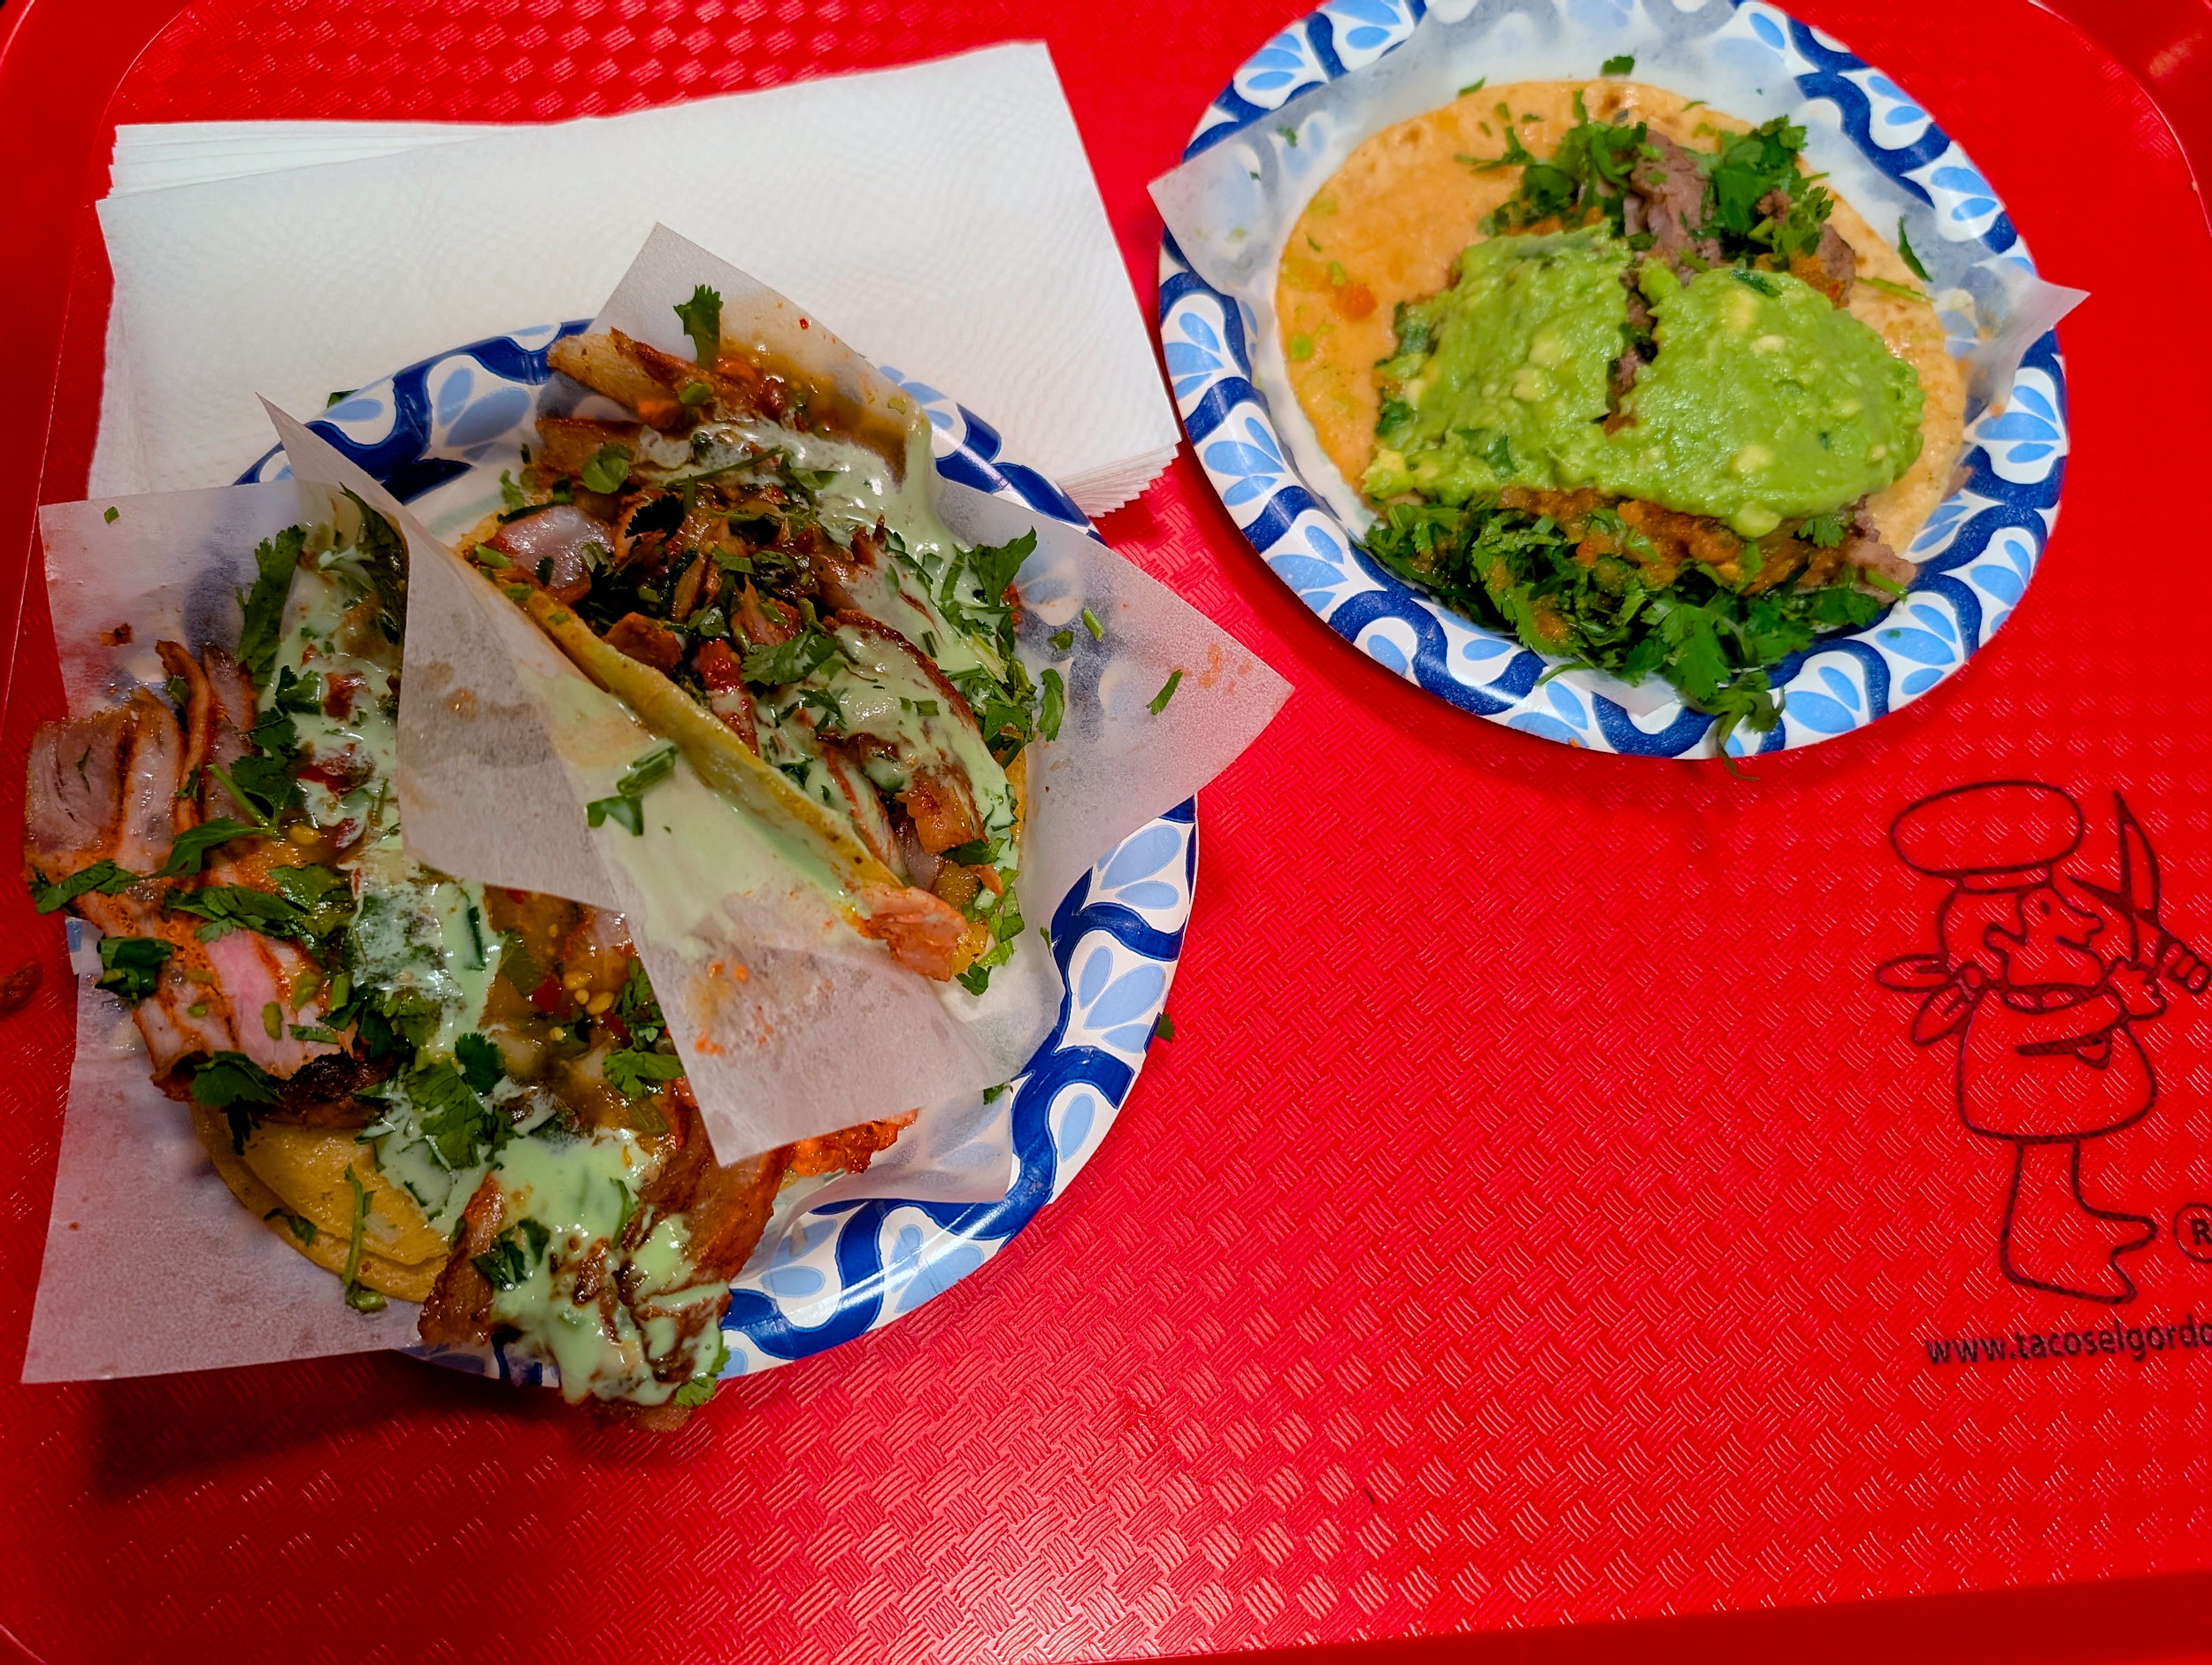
{"x":700,"y":1387}
{"x":1517,"y":574}
{"x":357,"y":1297}
{"x":1055,"y":705}
{"x":458,"y":1124}
{"x":511,"y":495}
{"x":130,"y":967}
{"x":103,"y":876}
{"x":482,"y":1064}
{"x":623,"y":806}
{"x":109,"y":514}
{"x":1825,"y":530}
{"x":636,"y":1009}
{"x":702,"y":318}
{"x":189,"y":853}
{"x":609,"y":470}
{"x":298,"y":1224}
{"x":788,"y":662}
{"x":274,"y":560}
{"x":1906,"y":254}
{"x":995,"y":565}
{"x":1062,"y":640}
{"x":1621,"y":66}
{"x":629,"y":1072}
{"x":235,"y":1085}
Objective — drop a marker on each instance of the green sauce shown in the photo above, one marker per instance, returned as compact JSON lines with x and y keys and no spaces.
{"x":1765,"y":401}
{"x":420,"y":934}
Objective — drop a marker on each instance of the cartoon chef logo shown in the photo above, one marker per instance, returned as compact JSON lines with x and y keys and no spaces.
{"x":2043,"y":981}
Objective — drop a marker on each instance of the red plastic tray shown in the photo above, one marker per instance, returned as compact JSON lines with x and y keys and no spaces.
{"x":1542,"y":1214}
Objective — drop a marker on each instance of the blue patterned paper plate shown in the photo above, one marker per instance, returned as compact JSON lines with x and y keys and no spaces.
{"x":1976,"y":554}
{"x":847,"y":1267}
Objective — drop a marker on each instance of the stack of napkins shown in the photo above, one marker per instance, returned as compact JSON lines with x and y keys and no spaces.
{"x":941,"y":217}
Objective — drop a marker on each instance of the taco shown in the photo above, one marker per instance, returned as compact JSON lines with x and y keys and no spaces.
{"x":1618,"y":378}
{"x":748,"y":558}
{"x":438,"y":1091}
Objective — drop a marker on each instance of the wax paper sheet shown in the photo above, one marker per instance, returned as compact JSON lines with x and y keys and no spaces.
{"x":150,"y":1264}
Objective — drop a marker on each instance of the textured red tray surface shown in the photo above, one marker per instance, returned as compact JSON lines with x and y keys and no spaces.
{"x":1540,"y":1214}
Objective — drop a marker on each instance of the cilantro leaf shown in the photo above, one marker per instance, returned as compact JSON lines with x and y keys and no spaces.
{"x":1056,"y":706}
{"x":360,"y":1299}
{"x":383,"y":553}
{"x":637,"y":1010}
{"x":995,"y":565}
{"x":788,"y":662}
{"x":1621,"y":66}
{"x":482,"y":1064}
{"x":609,"y":470}
{"x":1906,"y":254}
{"x":228,"y":908}
{"x":324,"y":896}
{"x":189,"y":853}
{"x":700,"y":1387}
{"x":459,"y":1125}
{"x":103,"y":876}
{"x":1825,"y":531}
{"x":622,"y":806}
{"x":235,"y":1085}
{"x":702,"y":318}
{"x":130,"y":967}
{"x":629,"y":1070}
{"x":275,"y":560}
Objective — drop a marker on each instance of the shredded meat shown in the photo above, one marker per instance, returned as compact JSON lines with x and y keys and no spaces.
{"x":1832,"y":268}
{"x":1667,"y":198}
{"x":848,"y":1150}
{"x":459,"y":1310}
{"x":646,"y":641}
{"x":1863,"y":549}
{"x":757,"y":624}
{"x":320,"y":1093}
{"x":728,"y":696}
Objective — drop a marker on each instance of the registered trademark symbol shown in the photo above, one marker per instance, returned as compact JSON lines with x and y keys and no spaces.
{"x":2192,"y":1231}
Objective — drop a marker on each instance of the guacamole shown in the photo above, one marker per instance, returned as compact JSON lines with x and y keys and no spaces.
{"x":1765,"y":401}
{"x":1501,"y":378}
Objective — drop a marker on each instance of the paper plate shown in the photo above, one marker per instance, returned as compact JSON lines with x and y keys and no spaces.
{"x":846,"y":1268}
{"x":1976,"y":554}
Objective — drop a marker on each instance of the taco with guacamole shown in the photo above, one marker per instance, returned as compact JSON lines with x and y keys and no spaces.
{"x":1619,"y":379}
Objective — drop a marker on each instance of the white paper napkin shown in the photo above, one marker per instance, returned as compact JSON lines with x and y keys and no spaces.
{"x":941,"y":217}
